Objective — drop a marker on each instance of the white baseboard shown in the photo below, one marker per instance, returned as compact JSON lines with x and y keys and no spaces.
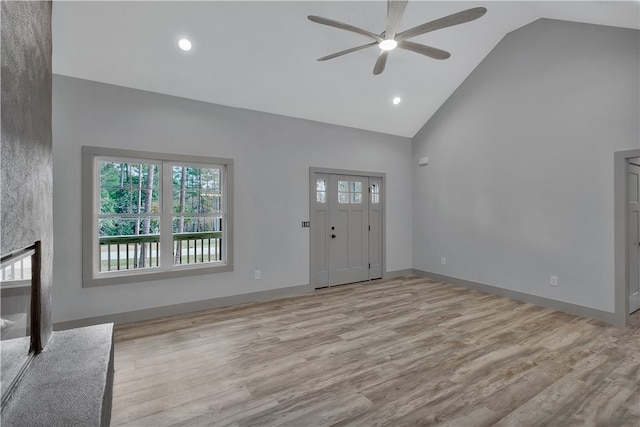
{"x":398,"y":273}
{"x":190,"y":307}
{"x":565,"y":307}
{"x":183,"y":308}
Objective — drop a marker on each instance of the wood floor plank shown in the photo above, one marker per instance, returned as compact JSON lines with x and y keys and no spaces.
{"x":407,"y":351}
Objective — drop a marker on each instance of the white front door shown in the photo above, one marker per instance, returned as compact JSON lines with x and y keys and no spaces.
{"x":346,"y":228}
{"x":349,"y":229}
{"x":633,"y":238}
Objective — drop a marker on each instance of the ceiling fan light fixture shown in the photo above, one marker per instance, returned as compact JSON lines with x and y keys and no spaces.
{"x":388,"y":44}
{"x":390,"y":38}
{"x":184,"y":44}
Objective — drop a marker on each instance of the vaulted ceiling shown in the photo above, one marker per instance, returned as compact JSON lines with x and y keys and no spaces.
{"x":261,"y":55}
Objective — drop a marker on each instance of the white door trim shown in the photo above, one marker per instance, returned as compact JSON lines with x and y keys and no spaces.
{"x":633,"y":250}
{"x":312,"y":203}
{"x":621,"y":160}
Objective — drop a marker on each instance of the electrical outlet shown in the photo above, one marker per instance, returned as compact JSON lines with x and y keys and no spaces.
{"x":443,"y":261}
{"x":553,"y":280}
{"x":256,"y":274}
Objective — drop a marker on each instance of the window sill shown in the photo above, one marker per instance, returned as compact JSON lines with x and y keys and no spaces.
{"x":149,"y":276}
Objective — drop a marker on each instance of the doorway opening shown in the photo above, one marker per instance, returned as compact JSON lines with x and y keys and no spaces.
{"x":633,"y":233}
{"x":627,"y":234}
{"x":346,"y":212}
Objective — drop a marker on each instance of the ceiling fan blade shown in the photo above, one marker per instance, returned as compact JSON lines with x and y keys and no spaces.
{"x":381,"y":62}
{"x":444,"y":22}
{"x":429,"y":51}
{"x":343,"y":26}
{"x":395,"y":11}
{"x":344,"y":52}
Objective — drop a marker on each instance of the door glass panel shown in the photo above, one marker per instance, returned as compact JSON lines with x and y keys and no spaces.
{"x":634,"y":188}
{"x":350,"y":192}
{"x":375,"y":193}
{"x":321,"y":191}
{"x":343,"y":191}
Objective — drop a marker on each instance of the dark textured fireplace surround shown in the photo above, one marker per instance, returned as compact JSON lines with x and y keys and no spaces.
{"x":70,"y":381}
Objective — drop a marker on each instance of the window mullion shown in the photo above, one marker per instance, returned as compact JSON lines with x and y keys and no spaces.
{"x":96,"y":256}
{"x":223,"y":211}
{"x":166,"y":206}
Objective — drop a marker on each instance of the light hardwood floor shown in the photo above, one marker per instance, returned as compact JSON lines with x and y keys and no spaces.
{"x":408,"y":351}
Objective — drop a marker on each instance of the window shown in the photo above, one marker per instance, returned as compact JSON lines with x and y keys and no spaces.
{"x":149,"y":215}
{"x":127,"y":214}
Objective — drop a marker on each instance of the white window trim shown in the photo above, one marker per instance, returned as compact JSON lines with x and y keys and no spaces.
{"x":90,"y":277}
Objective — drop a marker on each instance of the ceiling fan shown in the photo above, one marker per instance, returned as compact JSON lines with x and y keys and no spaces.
{"x":390,"y":38}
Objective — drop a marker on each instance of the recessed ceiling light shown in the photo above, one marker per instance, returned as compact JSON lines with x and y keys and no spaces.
{"x":388,"y":44}
{"x":396,"y":100}
{"x":184,"y":44}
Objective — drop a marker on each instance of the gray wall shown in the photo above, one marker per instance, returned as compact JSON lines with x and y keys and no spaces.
{"x":26,"y":186}
{"x":519,"y":185}
{"x":272,"y":155}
